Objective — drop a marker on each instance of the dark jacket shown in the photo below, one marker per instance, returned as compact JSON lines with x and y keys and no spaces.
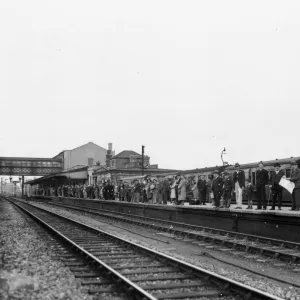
{"x":201,"y":185}
{"x":296,"y":178}
{"x":275,"y":178}
{"x":250,"y":191}
{"x":217,"y":185}
{"x":227,"y":185}
{"x":239,"y":177}
{"x":262,"y":177}
{"x":137,"y":188}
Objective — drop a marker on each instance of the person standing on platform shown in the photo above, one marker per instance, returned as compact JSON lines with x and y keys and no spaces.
{"x":209,"y":193}
{"x":295,"y":177}
{"x":195,"y":190}
{"x":227,"y":191}
{"x":275,"y":187}
{"x":122,"y":191}
{"x":217,"y":186}
{"x":173,"y":191}
{"x":238,"y":179}
{"x":262,"y":179}
{"x":84,"y":192}
{"x":128,"y":195}
{"x":160,"y":190}
{"x":76,"y":190}
{"x":137,"y":191}
{"x":201,"y":186}
{"x":110,"y":190}
{"x":182,"y":190}
{"x":154,"y":189}
{"x":249,"y":192}
{"x":165,"y":191}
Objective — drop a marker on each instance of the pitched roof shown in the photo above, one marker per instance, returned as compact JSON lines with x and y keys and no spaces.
{"x":84,"y":145}
{"x":125,"y":154}
{"x":89,"y":143}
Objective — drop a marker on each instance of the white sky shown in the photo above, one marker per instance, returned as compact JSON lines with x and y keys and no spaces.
{"x":184,"y":78}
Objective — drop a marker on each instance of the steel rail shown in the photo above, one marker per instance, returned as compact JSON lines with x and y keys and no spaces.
{"x":191,"y":226}
{"x":199,"y":233}
{"x":143,"y":293}
{"x":231,"y":285}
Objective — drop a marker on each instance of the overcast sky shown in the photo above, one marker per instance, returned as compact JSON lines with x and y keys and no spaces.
{"x":184,"y":78}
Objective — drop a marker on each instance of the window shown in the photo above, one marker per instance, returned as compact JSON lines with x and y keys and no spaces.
{"x":90,"y":162}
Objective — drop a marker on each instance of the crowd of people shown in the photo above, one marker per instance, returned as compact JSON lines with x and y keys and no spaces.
{"x":218,"y":189}
{"x":175,"y":189}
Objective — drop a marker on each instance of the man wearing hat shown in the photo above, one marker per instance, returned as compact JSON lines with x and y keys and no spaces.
{"x":217,"y":186}
{"x":227,"y":189}
{"x":262,"y":178}
{"x":275,"y":187}
{"x":238,"y":179}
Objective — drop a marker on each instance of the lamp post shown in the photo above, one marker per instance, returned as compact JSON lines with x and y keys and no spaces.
{"x":223,"y":153}
{"x":21,"y":184}
{"x":143,"y":153}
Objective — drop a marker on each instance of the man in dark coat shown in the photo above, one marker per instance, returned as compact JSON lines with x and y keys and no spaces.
{"x":238,"y":179}
{"x":217,"y":186}
{"x":262,"y":178}
{"x":227,"y":190}
{"x":137,"y":191}
{"x":165,"y":191}
{"x":105,"y":191}
{"x":275,"y":187}
{"x":110,"y":191}
{"x":295,"y":177}
{"x":201,"y":186}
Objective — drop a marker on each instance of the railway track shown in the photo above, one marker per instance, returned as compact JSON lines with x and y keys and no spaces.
{"x":137,"y":271}
{"x":254,"y":246}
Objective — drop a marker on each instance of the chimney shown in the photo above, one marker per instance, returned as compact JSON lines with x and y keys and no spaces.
{"x":109,"y":155}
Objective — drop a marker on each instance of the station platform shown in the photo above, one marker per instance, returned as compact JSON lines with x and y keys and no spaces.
{"x":275,"y":224}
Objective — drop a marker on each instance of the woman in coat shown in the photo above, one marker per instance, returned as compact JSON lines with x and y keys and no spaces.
{"x":195,"y":190}
{"x":182,"y":190}
{"x":173,"y":191}
{"x":296,"y":192}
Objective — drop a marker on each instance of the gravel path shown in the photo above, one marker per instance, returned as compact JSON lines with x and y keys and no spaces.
{"x":176,"y":249}
{"x":28,"y":269}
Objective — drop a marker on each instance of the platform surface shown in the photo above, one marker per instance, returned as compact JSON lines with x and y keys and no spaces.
{"x":283,"y":211}
{"x":277,"y":224}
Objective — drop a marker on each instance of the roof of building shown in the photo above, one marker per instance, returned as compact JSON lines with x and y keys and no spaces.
{"x":91,"y":143}
{"x":126,"y":154}
{"x":58,"y":174}
{"x":132,"y":170}
{"x":202,"y":170}
{"x":266,"y":163}
{"x":29,"y":159}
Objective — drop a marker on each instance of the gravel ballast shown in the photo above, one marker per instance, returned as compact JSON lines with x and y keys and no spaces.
{"x":28,"y":268}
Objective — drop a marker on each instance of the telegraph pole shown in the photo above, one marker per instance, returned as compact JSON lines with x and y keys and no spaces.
{"x":143,"y":149}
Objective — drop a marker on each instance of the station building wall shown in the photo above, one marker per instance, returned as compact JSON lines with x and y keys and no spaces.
{"x":87,"y":154}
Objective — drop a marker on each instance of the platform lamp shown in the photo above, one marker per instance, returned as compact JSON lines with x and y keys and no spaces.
{"x":223,"y":153}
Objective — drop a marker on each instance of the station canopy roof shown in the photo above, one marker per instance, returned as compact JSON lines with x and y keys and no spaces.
{"x":79,"y":173}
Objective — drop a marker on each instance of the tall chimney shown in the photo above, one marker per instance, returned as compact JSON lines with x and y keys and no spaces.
{"x":109,"y":155}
